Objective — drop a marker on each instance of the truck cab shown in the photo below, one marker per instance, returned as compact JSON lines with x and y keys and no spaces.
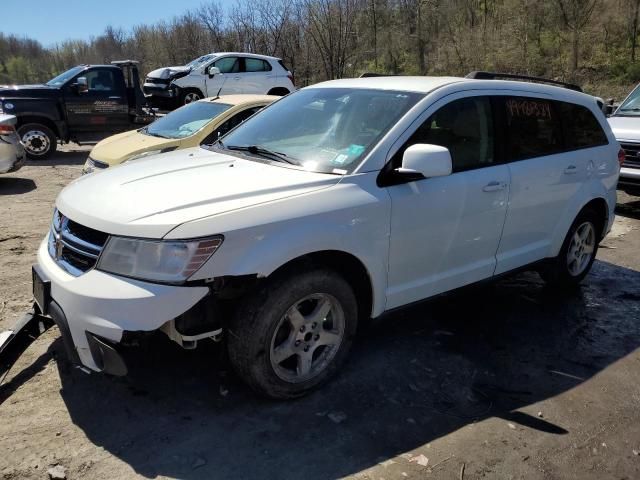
{"x":83,"y":105}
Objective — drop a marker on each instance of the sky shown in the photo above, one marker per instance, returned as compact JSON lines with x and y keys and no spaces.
{"x":50,"y":22}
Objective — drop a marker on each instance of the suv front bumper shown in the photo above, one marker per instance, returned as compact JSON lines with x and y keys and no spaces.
{"x":95,"y":309}
{"x":629,"y":180}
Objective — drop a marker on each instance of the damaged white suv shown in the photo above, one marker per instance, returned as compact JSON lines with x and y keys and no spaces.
{"x":335,"y":204}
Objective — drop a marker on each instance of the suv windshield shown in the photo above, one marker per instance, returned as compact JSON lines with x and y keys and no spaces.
{"x":200,"y":60}
{"x":186,"y":120}
{"x":64,"y":77}
{"x":631,"y":106}
{"x":326,"y":130}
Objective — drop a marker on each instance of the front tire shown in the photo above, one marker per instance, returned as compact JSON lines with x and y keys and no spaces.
{"x":39,"y":141}
{"x":578,"y":252}
{"x":190,"y":95}
{"x":294,"y":333}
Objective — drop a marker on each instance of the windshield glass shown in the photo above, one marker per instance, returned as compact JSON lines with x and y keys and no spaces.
{"x":326,"y":130}
{"x":200,"y":60}
{"x":64,"y":77}
{"x":631,"y":105}
{"x":186,"y":120}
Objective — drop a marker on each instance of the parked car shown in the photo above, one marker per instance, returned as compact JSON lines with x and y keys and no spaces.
{"x":625,"y":123}
{"x":11,"y":152}
{"x":197,"y":123}
{"x":218,"y":74}
{"x":84,"y":104}
{"x":338,"y":203}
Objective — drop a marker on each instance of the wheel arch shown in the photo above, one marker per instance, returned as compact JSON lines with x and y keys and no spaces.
{"x":280,"y":91}
{"x":47,"y":122}
{"x":350,"y":267}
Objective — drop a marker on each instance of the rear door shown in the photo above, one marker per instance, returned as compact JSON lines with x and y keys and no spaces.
{"x":257,"y":76}
{"x":101,"y":110}
{"x":544,"y":177}
{"x":445,"y":231}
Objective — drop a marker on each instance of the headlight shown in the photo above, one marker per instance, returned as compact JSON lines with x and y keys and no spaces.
{"x":91,"y":165}
{"x":152,"y":152}
{"x":156,"y":260}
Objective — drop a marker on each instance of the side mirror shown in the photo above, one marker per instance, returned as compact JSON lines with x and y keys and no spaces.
{"x":82,"y":85}
{"x":426,"y":161}
{"x":213,"y":71}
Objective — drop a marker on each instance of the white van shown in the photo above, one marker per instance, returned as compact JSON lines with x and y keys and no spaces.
{"x":338,"y":203}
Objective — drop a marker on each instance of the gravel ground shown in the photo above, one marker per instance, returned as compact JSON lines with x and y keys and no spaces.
{"x":504,"y":381}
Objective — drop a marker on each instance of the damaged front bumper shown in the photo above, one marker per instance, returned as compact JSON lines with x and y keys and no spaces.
{"x":96,"y":312}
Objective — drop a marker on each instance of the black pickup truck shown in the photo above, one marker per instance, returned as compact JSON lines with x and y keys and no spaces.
{"x":83,"y":105}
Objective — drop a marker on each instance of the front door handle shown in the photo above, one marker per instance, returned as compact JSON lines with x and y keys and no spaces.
{"x":236,"y":78}
{"x":115,"y":98}
{"x":494,"y":186}
{"x":571,"y":169}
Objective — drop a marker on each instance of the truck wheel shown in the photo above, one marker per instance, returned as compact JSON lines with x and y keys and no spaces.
{"x":578,"y":252}
{"x":189,"y":96}
{"x":39,"y":141}
{"x":294,"y":333}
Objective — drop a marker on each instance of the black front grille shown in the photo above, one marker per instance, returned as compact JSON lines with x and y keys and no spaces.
{"x":157,"y":81}
{"x":631,"y":155}
{"x":74,"y":247}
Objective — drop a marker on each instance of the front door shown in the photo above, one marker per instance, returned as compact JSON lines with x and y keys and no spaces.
{"x":228,"y":81}
{"x":445,"y":231}
{"x":102,"y":109}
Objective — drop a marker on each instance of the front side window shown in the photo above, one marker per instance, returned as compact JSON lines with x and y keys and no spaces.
{"x":533,"y":129}
{"x":100,"y":80}
{"x":324,"y":129}
{"x":228,"y":65}
{"x":186,"y":120}
{"x":464,"y":127}
{"x":581,"y":129}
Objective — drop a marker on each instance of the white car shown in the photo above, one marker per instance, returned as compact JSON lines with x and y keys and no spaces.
{"x":337,"y":203}
{"x":216,"y":74}
{"x":625,"y":123}
{"x":12,"y":153}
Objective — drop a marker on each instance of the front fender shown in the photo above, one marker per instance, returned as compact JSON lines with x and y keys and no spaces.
{"x":349,"y":217}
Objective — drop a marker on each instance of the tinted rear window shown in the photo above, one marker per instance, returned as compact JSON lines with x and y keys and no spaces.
{"x":581,"y":129}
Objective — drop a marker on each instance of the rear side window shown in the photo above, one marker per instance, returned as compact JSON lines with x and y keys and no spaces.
{"x":533,"y":128}
{"x":283,"y":65}
{"x":465,"y":127}
{"x":256,"y":65}
{"x":581,"y":129}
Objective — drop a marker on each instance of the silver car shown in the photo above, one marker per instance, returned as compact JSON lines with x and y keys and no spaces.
{"x":11,"y":151}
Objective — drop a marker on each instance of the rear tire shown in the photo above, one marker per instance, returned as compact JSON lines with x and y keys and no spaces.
{"x":578,"y":252}
{"x":39,"y":140}
{"x":294,"y":333}
{"x":279,"y":91}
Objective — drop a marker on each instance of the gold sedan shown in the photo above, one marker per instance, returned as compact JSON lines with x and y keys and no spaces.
{"x":194,"y":124}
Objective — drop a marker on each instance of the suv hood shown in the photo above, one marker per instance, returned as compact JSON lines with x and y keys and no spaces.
{"x":150,"y":197}
{"x":166,"y":73}
{"x":625,"y":128}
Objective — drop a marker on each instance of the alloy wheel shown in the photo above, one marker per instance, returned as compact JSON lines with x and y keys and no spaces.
{"x":307,"y":338}
{"x":581,"y":248}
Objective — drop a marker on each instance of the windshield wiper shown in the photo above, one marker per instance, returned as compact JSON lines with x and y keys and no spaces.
{"x":264,"y":152}
{"x":146,"y":130}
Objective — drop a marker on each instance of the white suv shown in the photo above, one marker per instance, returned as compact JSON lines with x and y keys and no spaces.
{"x":338,"y":203}
{"x":215,"y":74}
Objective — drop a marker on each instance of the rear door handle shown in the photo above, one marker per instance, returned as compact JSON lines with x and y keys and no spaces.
{"x":115,"y":98}
{"x":571,"y":169}
{"x":494,"y":186}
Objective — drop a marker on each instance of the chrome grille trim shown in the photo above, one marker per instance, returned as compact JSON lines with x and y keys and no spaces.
{"x":71,"y":252}
{"x":631,"y":154}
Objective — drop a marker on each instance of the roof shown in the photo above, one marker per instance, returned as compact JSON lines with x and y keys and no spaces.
{"x":240,"y":99}
{"x":429,"y":84}
{"x":244,"y":54}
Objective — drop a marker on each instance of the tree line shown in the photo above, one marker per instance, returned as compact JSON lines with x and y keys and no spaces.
{"x":592,"y":42}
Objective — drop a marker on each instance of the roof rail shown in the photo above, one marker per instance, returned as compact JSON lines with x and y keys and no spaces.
{"x":513,"y":76}
{"x":125,"y":62}
{"x":373,"y":74}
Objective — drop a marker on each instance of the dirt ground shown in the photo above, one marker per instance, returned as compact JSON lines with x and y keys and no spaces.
{"x":508,"y":381}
